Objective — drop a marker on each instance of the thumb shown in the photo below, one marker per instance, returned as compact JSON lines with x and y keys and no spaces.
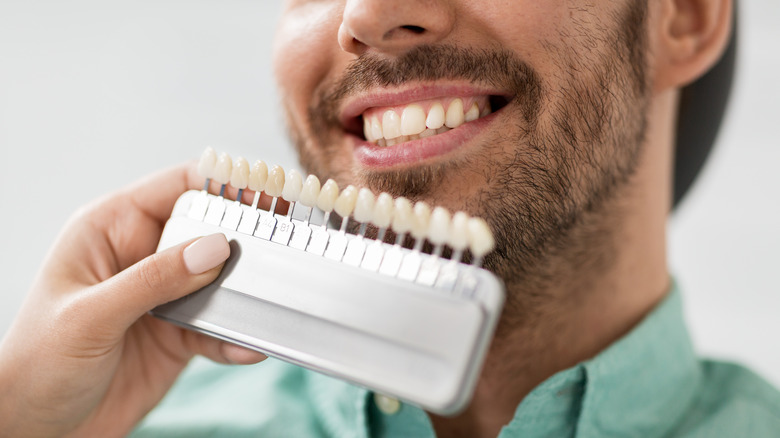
{"x":162,"y":277}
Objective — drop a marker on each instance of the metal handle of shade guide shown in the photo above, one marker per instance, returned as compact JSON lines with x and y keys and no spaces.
{"x":421,"y":340}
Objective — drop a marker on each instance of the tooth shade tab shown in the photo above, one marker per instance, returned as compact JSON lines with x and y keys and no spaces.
{"x":480,"y":237}
{"x":223,"y":169}
{"x":293,"y":184}
{"x":329,"y":192}
{"x":275,"y":183}
{"x":258,"y":176}
{"x":383,"y":210}
{"x":345,"y":203}
{"x":207,"y":163}
{"x":310,"y":191}
{"x":364,"y":206}
{"x":439,"y":226}
{"x":459,"y":231}
{"x":240,"y":176}
{"x":403,"y":215}
{"x":420,"y":221}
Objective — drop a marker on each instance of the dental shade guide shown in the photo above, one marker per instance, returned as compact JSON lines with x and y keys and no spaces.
{"x":399,"y":321}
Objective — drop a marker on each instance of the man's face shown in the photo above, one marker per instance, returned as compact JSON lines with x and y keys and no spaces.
{"x":560,"y":96}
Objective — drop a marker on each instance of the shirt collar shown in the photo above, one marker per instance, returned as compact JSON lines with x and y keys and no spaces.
{"x":639,"y":386}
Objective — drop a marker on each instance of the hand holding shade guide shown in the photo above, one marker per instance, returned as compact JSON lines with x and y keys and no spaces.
{"x":402,"y":321}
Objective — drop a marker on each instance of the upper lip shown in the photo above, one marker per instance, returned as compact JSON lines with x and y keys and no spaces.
{"x":353,"y":107}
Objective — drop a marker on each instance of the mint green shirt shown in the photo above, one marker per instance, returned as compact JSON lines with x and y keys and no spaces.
{"x":647,"y":384}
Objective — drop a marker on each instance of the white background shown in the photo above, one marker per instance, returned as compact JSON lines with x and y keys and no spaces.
{"x":95,"y":94}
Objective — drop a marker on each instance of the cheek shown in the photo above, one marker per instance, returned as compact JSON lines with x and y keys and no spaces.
{"x":304,"y":50}
{"x":530,"y":29}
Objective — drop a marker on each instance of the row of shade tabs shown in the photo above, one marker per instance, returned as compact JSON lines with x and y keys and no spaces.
{"x":458,"y":231}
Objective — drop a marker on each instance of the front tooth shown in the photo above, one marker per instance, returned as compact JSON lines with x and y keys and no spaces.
{"x":240,"y":176}
{"x":376,"y":129}
{"x":412,"y":120}
{"x":207,"y":163}
{"x":435,"y":118}
{"x":403,"y":217}
{"x":310,"y":191}
{"x":345,"y":203}
{"x":383,"y":210}
{"x":392,"y":141}
{"x":223,"y":169}
{"x":391,"y":125}
{"x":275,"y":183}
{"x":364,"y":206}
{"x":480,"y":237}
{"x":258,"y":176}
{"x":439,"y":227}
{"x":459,"y":231}
{"x":472,"y":114}
{"x":327,"y":197}
{"x":292,"y":186}
{"x":422,"y":217}
{"x":454,"y":117}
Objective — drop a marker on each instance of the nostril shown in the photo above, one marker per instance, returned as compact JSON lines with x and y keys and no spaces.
{"x":415,"y":29}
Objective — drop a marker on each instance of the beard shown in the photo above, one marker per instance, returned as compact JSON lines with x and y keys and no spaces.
{"x":548,"y":184}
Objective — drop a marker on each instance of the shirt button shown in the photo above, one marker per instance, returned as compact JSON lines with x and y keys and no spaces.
{"x":387,"y":405}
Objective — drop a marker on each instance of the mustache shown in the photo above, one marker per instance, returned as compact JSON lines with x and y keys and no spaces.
{"x":499,"y":69}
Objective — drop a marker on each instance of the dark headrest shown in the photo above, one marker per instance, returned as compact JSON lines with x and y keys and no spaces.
{"x":702,"y":105}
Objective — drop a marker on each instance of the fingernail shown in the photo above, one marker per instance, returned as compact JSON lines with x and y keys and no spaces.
{"x":206,"y":253}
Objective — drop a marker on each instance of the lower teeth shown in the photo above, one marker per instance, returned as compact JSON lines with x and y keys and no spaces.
{"x":427,"y":133}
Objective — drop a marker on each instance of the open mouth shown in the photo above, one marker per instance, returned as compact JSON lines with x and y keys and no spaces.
{"x":391,"y":125}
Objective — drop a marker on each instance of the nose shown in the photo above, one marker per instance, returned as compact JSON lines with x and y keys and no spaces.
{"x":394,"y":26}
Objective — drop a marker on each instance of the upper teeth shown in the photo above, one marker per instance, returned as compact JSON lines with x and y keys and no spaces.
{"x":385,"y":127}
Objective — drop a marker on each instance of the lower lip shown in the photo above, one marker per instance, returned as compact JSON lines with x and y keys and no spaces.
{"x":416,"y":151}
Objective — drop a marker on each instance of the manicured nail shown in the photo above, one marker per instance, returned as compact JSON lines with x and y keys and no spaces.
{"x":206,"y":253}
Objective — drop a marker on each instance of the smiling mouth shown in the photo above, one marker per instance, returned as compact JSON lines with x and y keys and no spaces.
{"x":392,"y":125}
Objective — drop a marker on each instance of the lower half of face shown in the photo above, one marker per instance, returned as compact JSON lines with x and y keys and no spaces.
{"x":537,"y":158}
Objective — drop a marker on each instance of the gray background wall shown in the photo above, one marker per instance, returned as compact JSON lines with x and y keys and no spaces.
{"x":95,"y":94}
